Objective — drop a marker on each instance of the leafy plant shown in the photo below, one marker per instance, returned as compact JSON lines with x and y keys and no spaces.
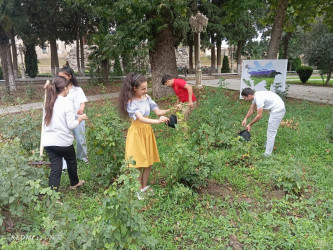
{"x":290,"y":178}
{"x":295,"y":63}
{"x":225,"y":65}
{"x":304,"y":73}
{"x":15,"y":175}
{"x":106,"y":141}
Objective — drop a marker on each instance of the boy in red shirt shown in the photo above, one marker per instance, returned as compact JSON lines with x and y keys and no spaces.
{"x":183,"y":91}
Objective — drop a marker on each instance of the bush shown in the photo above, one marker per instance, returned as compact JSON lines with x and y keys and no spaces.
{"x":304,"y":73}
{"x":117,"y":71}
{"x":225,"y":65}
{"x":31,"y":61}
{"x":296,"y":63}
{"x":1,"y":74}
{"x":106,"y":143}
{"x":15,"y":190}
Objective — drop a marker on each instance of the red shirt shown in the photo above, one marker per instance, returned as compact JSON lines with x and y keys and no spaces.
{"x":179,"y":88}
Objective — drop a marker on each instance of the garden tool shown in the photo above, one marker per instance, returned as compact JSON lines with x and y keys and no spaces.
{"x":41,"y":148}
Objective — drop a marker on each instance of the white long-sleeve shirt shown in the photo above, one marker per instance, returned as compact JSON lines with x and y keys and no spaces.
{"x":58,"y":132}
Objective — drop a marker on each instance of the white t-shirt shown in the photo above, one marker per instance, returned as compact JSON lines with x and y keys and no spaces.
{"x":269,"y":101}
{"x":58,"y":132}
{"x":76,"y":96}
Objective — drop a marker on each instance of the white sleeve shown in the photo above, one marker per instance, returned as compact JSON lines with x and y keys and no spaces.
{"x":81,"y":96}
{"x":70,"y":117}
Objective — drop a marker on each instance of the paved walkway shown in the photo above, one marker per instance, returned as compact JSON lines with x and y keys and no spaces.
{"x":314,"y":94}
{"x":310,"y":93}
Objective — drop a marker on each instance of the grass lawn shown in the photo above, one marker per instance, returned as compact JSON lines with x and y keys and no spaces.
{"x":211,"y":189}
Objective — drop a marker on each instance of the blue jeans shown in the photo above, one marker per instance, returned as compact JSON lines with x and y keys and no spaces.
{"x":81,"y":144}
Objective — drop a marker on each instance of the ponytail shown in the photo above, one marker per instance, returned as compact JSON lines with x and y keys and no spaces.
{"x":52,"y":91}
{"x":127,"y":92}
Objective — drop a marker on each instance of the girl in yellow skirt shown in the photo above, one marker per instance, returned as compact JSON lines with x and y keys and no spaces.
{"x":140,"y":141}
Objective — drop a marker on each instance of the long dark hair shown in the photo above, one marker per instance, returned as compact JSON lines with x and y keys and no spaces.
{"x":70,"y":72}
{"x":52,"y":90}
{"x":127,"y":92}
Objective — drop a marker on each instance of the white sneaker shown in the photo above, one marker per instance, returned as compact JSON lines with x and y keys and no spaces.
{"x":148,"y":190}
{"x":139,"y":195}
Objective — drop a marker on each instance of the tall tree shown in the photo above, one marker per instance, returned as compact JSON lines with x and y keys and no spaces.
{"x":161,"y":23}
{"x":242,"y":24}
{"x":4,"y":42}
{"x":215,"y":12}
{"x":280,"y":14}
{"x":7,"y":15}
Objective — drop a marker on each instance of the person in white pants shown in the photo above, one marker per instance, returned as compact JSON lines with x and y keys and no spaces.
{"x":269,"y":101}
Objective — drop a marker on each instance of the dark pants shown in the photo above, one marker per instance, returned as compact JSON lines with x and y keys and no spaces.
{"x":56,"y":154}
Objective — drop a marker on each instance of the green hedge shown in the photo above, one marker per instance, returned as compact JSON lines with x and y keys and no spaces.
{"x":304,"y":73}
{"x":225,"y":65}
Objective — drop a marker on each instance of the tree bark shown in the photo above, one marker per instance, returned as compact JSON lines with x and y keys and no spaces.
{"x":219,"y":54}
{"x":14,"y":54}
{"x":163,"y":61}
{"x":82,"y":56}
{"x":4,"y":66}
{"x":231,"y":59}
{"x":274,"y":42}
{"x":105,"y":71}
{"x":286,"y":45}
{"x":78,"y":53}
{"x":12,"y":83}
{"x":190,"y":55}
{"x":212,"y":56}
{"x":329,"y":74}
{"x":239,"y":56}
{"x":124,"y":62}
{"x":54,"y":57}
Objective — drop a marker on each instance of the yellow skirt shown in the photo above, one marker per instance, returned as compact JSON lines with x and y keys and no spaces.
{"x":141,"y":144}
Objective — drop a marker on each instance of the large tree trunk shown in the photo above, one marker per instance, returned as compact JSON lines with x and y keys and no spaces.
{"x":54,"y":57}
{"x":124,"y":63}
{"x":163,"y":61}
{"x":329,"y":75}
{"x":12,"y":83}
{"x":231,"y":50}
{"x":190,"y":56}
{"x":82,"y":56}
{"x":274,"y":42}
{"x":218,"y":54}
{"x":105,"y":71}
{"x":286,"y":45}
{"x":78,"y":53}
{"x":239,"y":56}
{"x":212,"y":57}
{"x":4,"y":64}
{"x":14,"y":54}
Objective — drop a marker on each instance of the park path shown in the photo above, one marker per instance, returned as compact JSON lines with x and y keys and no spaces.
{"x":315,"y":94}
{"x":322,"y":95}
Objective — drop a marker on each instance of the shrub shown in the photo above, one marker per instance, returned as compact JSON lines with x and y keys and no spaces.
{"x":117,"y":71}
{"x":304,"y":73}
{"x":296,"y":63}
{"x":15,"y":175}
{"x":106,"y":143}
{"x":31,"y":61}
{"x":1,"y":74}
{"x":225,"y":65}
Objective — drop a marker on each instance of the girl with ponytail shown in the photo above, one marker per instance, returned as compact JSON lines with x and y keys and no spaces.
{"x":57,"y":137}
{"x":140,"y":141}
